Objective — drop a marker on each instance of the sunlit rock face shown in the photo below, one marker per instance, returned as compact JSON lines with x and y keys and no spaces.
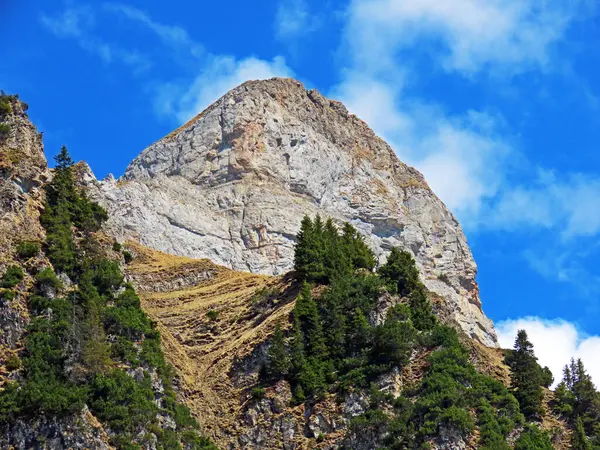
{"x":233,"y":184}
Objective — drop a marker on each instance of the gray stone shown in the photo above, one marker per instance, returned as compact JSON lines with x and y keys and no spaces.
{"x":233,"y":184}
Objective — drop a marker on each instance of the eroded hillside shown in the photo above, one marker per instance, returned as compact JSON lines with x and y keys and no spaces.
{"x":216,"y":325}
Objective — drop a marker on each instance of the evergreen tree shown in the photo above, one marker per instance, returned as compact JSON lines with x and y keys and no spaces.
{"x":579,"y":440}
{"x":420,"y":310}
{"x":307,"y":312}
{"x":400,"y":272}
{"x":360,"y":333}
{"x":361,"y":256}
{"x":525,"y":377}
{"x":279,"y":360}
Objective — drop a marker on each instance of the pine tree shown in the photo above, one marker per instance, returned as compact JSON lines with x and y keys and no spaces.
{"x":360,"y":255}
{"x":279,"y":360}
{"x":400,"y":271}
{"x":420,"y":310}
{"x":525,"y":377}
{"x":579,"y":441}
{"x":360,"y":333}
{"x":307,"y":312}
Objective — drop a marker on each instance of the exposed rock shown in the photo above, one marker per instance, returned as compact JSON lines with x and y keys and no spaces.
{"x":449,"y":439}
{"x":79,"y":431}
{"x":233,"y":184}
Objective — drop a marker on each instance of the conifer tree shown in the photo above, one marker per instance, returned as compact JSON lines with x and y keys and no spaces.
{"x":360,"y":333}
{"x":525,"y":377}
{"x":400,"y":271}
{"x":361,"y":256}
{"x":307,"y":312}
{"x":420,"y":310}
{"x":579,"y":441}
{"x":279,"y":360}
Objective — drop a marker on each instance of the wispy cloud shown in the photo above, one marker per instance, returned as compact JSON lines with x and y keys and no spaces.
{"x":293,"y":19}
{"x":78,"y":24}
{"x":566,"y":204}
{"x":169,"y":34}
{"x":555,"y":343}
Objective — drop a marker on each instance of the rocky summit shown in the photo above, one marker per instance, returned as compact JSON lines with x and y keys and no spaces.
{"x":233,"y":184}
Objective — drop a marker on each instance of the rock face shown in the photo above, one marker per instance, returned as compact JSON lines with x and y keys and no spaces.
{"x":233,"y":184}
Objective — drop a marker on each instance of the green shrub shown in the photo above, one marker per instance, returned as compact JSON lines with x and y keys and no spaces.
{"x":4,"y":130}
{"x":28,"y":249}
{"x":13,"y":362}
{"x":127,"y":256}
{"x":532,"y":438}
{"x":13,"y":276}
{"x":8,"y":295}
{"x":107,"y":276}
{"x":212,"y":315}
{"x":258,"y":393}
{"x":5,"y":108}
{"x":116,"y":247}
{"x":47,"y":277}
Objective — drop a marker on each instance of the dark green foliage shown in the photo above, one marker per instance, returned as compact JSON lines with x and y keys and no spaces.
{"x":4,"y":131}
{"x":258,"y":393}
{"x":579,"y":440}
{"x":532,"y":438}
{"x":212,"y":315}
{"x":28,"y":249}
{"x":13,"y":362}
{"x":12,"y":276}
{"x":393,"y":340}
{"x":107,"y":276}
{"x":67,"y":206}
{"x":546,"y":377}
{"x":116,"y":247}
{"x":76,"y":331}
{"x":526,"y":377}
{"x":402,"y":277}
{"x":7,"y":295}
{"x":577,"y":400}
{"x":400,"y":272}
{"x":322,"y":254}
{"x":122,"y":402}
{"x":278,"y":364}
{"x":452,"y":387}
{"x":47,"y":277}
{"x":5,"y":108}
{"x":127,"y":256}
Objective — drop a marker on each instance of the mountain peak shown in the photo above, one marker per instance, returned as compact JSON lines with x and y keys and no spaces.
{"x":233,"y":184}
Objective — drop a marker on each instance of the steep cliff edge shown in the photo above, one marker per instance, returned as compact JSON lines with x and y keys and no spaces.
{"x":233,"y":183}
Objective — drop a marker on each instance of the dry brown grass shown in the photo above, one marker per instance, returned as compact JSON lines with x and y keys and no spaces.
{"x":204,"y":350}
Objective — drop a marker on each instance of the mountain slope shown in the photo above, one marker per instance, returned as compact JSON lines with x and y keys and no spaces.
{"x":233,"y":183}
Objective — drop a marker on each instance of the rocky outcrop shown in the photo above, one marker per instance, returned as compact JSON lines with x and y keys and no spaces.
{"x":233,"y":184}
{"x":78,"y":431}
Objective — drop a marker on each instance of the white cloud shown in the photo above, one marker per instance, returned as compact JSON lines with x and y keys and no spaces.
{"x":216,"y":77}
{"x":293,"y":19}
{"x":510,"y":35}
{"x":555,"y":343}
{"x":567,"y":204}
{"x":467,"y":158}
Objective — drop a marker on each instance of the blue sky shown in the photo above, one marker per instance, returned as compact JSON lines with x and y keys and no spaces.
{"x":497,"y":102}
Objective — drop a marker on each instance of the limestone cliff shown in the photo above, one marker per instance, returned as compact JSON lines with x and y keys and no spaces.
{"x":232,"y":185}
